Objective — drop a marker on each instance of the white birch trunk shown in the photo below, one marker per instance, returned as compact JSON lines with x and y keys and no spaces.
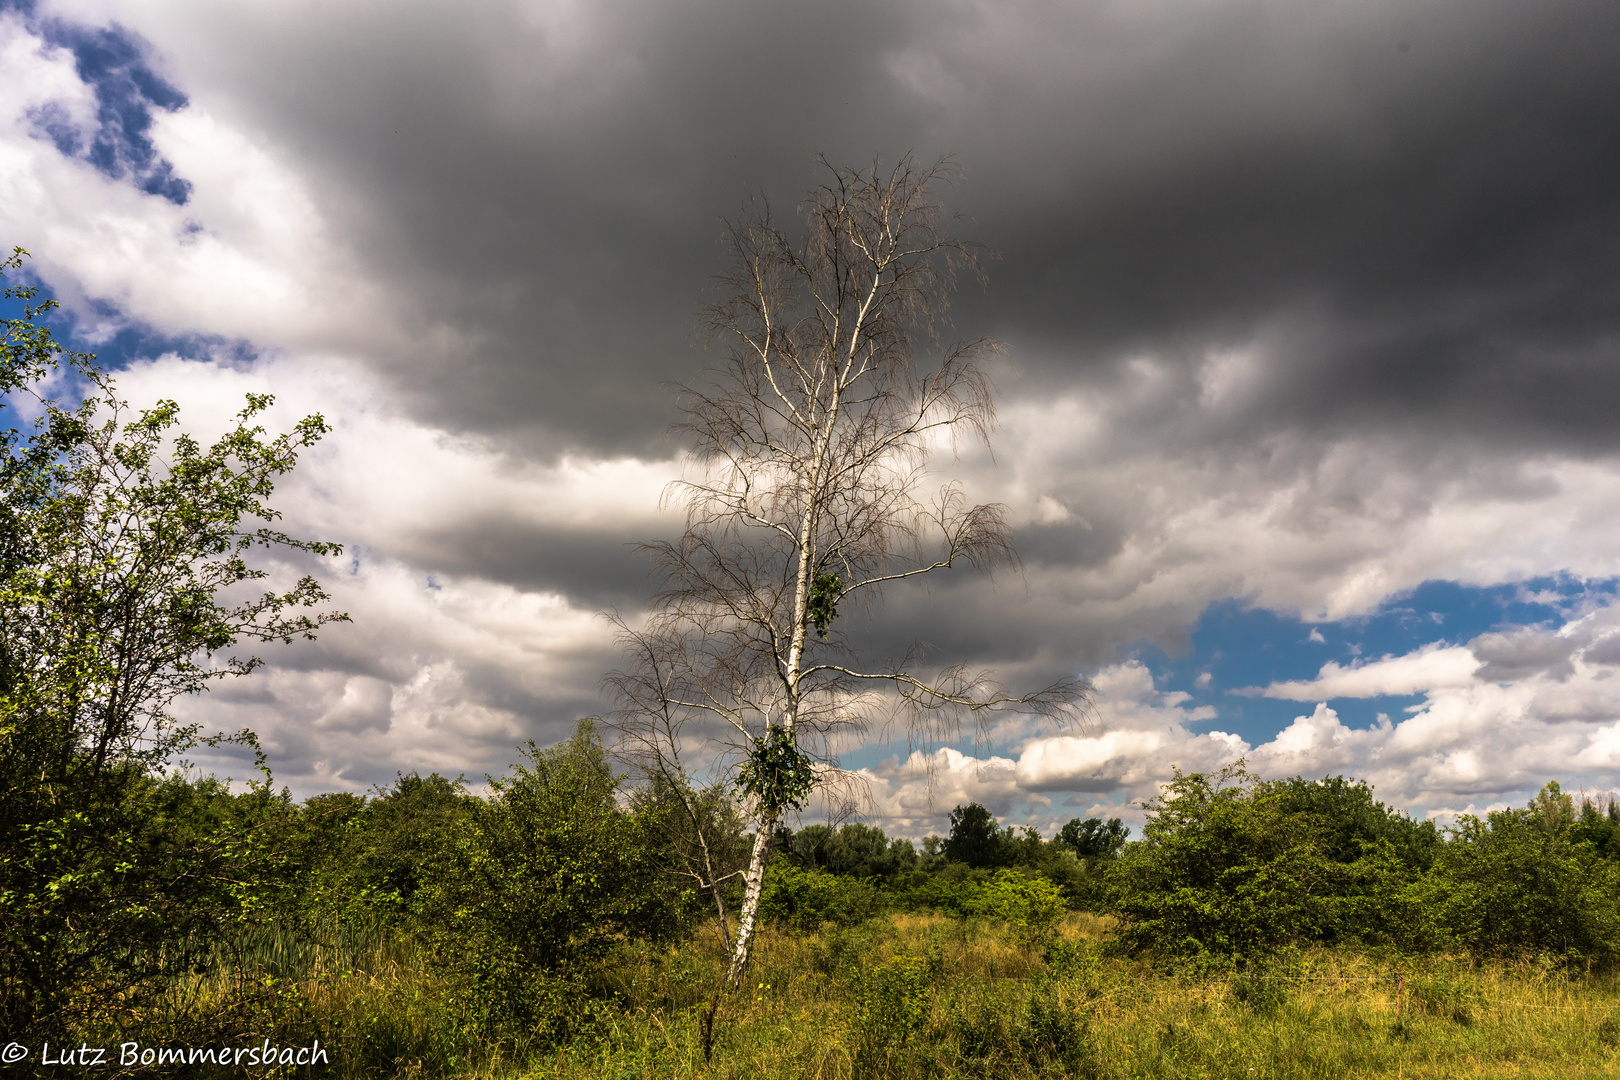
{"x":753,"y":885}
{"x":748,"y":917}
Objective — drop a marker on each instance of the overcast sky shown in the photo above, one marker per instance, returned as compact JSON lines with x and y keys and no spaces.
{"x":1308,"y":413}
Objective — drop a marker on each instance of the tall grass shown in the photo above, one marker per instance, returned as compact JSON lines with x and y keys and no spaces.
{"x":922,"y":996}
{"x":364,"y":989}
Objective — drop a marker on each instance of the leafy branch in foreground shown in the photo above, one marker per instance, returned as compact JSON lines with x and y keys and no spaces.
{"x":125,"y":574}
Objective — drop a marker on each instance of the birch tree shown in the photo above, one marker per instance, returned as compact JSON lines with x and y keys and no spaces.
{"x":809,"y":493}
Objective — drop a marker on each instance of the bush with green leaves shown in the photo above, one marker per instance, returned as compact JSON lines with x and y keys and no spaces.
{"x":1350,"y":821}
{"x":1027,"y":901}
{"x":546,"y":875}
{"x":703,"y":838}
{"x":804,"y":899}
{"x":367,"y":859}
{"x":1232,"y":866}
{"x":1519,"y":881}
{"x":1598,"y":824}
{"x":127,"y":575}
{"x":892,"y":1000}
{"x":1223,"y":868}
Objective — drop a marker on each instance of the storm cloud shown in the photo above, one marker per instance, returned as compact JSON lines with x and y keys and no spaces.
{"x":1306,"y":304}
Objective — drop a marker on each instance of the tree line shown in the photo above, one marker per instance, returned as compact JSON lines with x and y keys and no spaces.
{"x":522,"y":895}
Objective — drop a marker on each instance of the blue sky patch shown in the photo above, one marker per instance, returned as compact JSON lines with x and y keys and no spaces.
{"x":116,"y":340}
{"x":113,"y":62}
{"x":1240,"y":648}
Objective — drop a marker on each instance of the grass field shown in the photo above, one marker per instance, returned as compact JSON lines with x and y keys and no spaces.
{"x":928,"y":996}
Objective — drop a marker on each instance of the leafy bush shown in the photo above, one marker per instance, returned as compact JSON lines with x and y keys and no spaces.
{"x":401,"y":840}
{"x":1222,"y":868}
{"x":1262,"y":986}
{"x":547,"y":874}
{"x":1028,"y":901}
{"x":891,"y":1005}
{"x":1349,"y":821}
{"x":804,"y":899}
{"x":362,"y":859}
{"x":1599,"y":825}
{"x":1516,"y":881}
{"x":1232,"y":866}
{"x":127,"y":572}
{"x":703,"y":838}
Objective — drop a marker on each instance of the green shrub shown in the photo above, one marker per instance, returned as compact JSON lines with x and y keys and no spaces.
{"x":1519,"y":881}
{"x":1222,"y":869}
{"x":891,"y":1005}
{"x":129,"y":579}
{"x":1028,"y":901}
{"x":1349,"y":821}
{"x":548,"y":873}
{"x":804,"y":899}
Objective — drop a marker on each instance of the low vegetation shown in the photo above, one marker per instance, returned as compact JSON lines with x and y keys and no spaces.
{"x":913,"y":995}
{"x":1257,"y":928}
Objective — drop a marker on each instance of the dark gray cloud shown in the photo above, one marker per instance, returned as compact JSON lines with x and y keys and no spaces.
{"x":1411,"y":211}
{"x":1518,"y":654}
{"x":596,"y":568}
{"x":1606,"y":651}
